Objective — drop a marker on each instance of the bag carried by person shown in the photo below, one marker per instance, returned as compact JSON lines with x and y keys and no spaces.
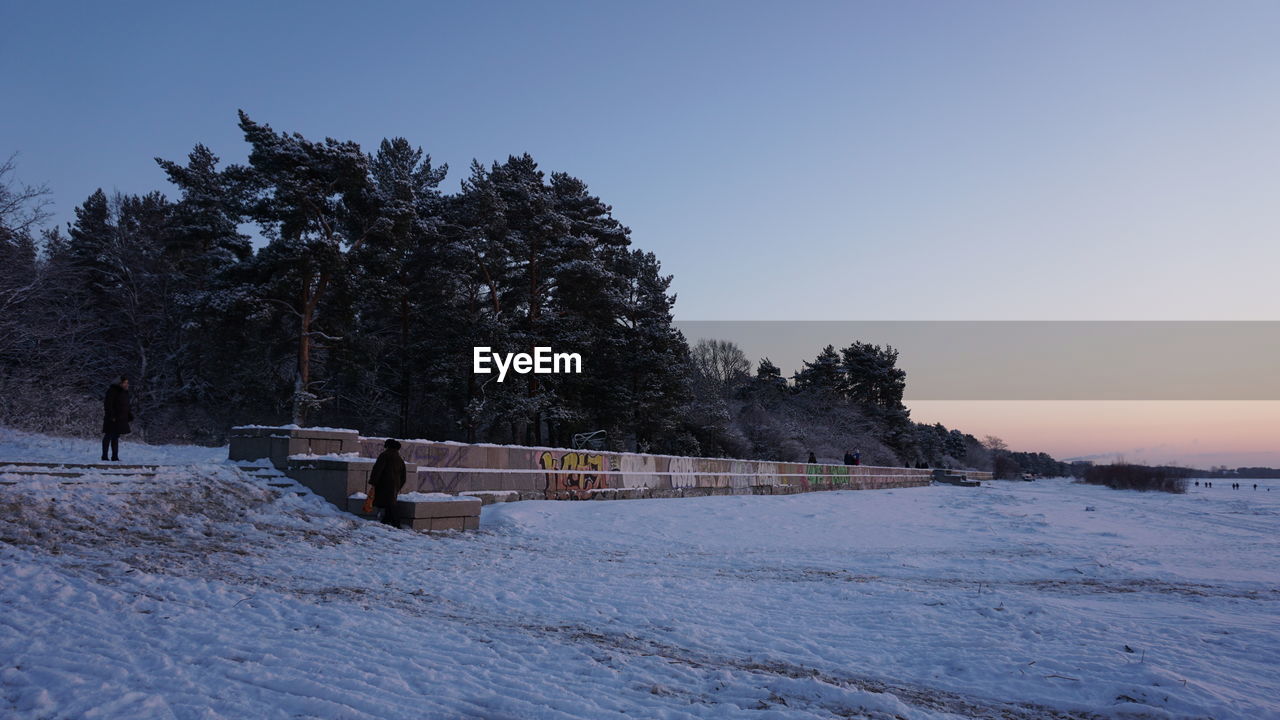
{"x":368,"y":502}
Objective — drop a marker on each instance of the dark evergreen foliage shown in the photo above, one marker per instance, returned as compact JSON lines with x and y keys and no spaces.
{"x":363,"y":304}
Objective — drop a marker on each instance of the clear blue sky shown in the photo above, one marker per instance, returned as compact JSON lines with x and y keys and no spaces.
{"x":1007,"y":159}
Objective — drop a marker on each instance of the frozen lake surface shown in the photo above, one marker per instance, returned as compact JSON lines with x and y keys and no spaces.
{"x":202,"y":593}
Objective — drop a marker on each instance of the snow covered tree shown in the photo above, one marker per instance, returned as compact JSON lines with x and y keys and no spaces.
{"x":313,"y":202}
{"x":871,"y":376}
{"x":767,"y":371}
{"x":824,"y":374}
{"x":652,"y":370}
{"x":204,"y":237}
{"x":401,"y":282}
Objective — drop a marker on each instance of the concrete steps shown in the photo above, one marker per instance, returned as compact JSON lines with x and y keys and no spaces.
{"x":96,"y":465}
{"x":67,"y":473}
{"x":123,"y":479}
{"x":272,"y":478}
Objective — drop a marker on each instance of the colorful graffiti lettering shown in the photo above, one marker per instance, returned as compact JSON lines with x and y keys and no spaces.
{"x":575,"y":484}
{"x":813,"y":476}
{"x":840,"y":476}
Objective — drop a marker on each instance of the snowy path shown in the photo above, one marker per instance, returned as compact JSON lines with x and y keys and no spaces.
{"x":215,"y":597}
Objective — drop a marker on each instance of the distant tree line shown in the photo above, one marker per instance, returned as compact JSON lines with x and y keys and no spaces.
{"x":365,"y":296}
{"x":842,"y":401}
{"x":1252,"y":473}
{"x":1126,"y":476}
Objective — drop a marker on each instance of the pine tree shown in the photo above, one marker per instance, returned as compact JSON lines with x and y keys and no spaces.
{"x":313,"y":202}
{"x":825,"y":374}
{"x":871,"y":376}
{"x":204,"y":238}
{"x":654,"y":371}
{"x":400,"y":274}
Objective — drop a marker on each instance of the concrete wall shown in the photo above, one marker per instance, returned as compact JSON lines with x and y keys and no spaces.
{"x":255,"y":442}
{"x":540,"y":472}
{"x":560,"y":473}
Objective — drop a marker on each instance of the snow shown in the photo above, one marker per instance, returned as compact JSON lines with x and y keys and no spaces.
{"x":16,"y":445}
{"x":205,"y":593}
{"x":335,"y":457}
{"x":434,"y":497}
{"x":292,"y":426}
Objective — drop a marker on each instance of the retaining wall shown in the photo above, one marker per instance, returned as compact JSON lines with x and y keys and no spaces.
{"x":521,"y":472}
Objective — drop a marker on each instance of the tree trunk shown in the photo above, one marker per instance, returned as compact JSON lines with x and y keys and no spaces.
{"x":404,"y":366}
{"x":302,"y":382}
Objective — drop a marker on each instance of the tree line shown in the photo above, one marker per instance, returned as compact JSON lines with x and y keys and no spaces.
{"x":361,"y":303}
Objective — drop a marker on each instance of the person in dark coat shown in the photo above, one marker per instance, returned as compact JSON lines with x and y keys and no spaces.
{"x":848,"y":458}
{"x":813,"y":459}
{"x":116,"y":417}
{"x":387,"y":479}
{"x":857,"y":457}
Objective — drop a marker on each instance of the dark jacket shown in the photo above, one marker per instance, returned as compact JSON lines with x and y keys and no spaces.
{"x":116,"y":414}
{"x":387,"y":478}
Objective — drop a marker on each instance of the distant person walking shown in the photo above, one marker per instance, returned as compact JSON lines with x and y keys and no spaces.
{"x":387,"y":479}
{"x":857,"y":457}
{"x":116,"y":417}
{"x":813,"y":459}
{"x":848,"y":458}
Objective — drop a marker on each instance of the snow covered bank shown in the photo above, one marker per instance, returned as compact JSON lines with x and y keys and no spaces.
{"x":208,"y":596}
{"x":19,"y":445}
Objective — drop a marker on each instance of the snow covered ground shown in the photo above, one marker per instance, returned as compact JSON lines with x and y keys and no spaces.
{"x":18,"y":445}
{"x":203,"y":593}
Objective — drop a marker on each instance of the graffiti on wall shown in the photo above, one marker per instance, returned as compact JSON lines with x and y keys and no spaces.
{"x":681,"y":469}
{"x":840,"y":476}
{"x":768,"y":474}
{"x":639,"y":471}
{"x":571,"y":474}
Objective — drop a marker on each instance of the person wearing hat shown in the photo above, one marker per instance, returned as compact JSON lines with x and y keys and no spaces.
{"x":387,"y":479}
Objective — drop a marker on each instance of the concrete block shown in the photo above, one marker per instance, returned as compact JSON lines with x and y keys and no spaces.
{"x":324,"y":485}
{"x":354,"y":479}
{"x":440,"y":508}
{"x":491,"y":497}
{"x":448,"y":523}
{"x":314,"y":434}
{"x":441,"y":524}
{"x":249,"y":448}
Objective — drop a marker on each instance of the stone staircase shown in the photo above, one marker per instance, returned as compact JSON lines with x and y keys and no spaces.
{"x":268,"y":475}
{"x":127,"y":478}
{"x":113,"y":478}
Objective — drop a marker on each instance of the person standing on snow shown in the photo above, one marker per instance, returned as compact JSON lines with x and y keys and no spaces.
{"x":387,"y":479}
{"x":116,"y":417}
